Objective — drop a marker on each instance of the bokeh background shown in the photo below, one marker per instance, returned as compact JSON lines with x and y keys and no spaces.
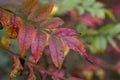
{"x":98,"y":21}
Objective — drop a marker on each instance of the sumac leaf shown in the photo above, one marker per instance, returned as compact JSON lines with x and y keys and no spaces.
{"x":76,"y":45}
{"x":14,"y":26}
{"x":25,"y":38}
{"x":11,"y":33}
{"x":28,"y":5}
{"x":16,"y":22}
{"x":38,"y":44}
{"x":57,"y":50}
{"x":52,"y":23}
{"x":65,"y":32}
{"x":4,"y":17}
{"x":40,"y":13}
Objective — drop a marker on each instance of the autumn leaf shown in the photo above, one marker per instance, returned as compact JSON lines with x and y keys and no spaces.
{"x":17,"y":67}
{"x":52,"y":23}
{"x":76,"y":45}
{"x":57,"y":50}
{"x":14,"y":26}
{"x":28,"y":5}
{"x":11,"y":33}
{"x":4,"y":17}
{"x":5,"y":42}
{"x":25,"y":38}
{"x":65,"y":32}
{"x":54,"y":10}
{"x":38,"y":44}
{"x":40,"y":13}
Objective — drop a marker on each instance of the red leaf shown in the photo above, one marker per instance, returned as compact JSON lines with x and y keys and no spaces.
{"x":40,"y":13}
{"x":28,"y":5}
{"x":25,"y":38}
{"x":65,"y":32}
{"x":76,"y":45}
{"x":16,"y":22}
{"x":38,"y":44}
{"x":14,"y":26}
{"x":52,"y":23}
{"x":57,"y":50}
{"x":4,"y":17}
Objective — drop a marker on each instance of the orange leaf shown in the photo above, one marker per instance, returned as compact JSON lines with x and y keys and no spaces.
{"x":40,"y":13}
{"x":57,"y":50}
{"x":52,"y":23}
{"x":17,"y":67}
{"x":38,"y":44}
{"x":4,"y":17}
{"x":25,"y":38}
{"x":28,"y":5}
{"x":13,"y":28}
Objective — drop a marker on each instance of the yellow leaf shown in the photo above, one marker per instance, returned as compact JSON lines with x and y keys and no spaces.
{"x":54,"y":10}
{"x":11,"y":33}
{"x":5,"y":42}
{"x":17,"y":67}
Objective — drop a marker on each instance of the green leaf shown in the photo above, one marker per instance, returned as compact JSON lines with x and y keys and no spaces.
{"x":116,"y":29}
{"x":81,"y":28}
{"x":99,"y":44}
{"x":81,"y":10}
{"x":105,"y":29}
{"x":98,"y":5}
{"x":100,"y":13}
{"x":111,"y":41}
{"x":111,"y":15}
{"x":88,"y":2}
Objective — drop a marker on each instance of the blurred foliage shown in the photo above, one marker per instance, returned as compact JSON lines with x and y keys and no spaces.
{"x":95,"y":8}
{"x":99,"y":37}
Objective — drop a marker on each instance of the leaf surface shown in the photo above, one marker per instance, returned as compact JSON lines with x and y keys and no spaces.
{"x":76,"y":45}
{"x":4,"y":17}
{"x":14,"y":26}
{"x":38,"y":44}
{"x":17,"y":67}
{"x":41,"y":12}
{"x":28,"y":5}
{"x":65,"y":32}
{"x":25,"y":38}
{"x":52,"y":23}
{"x":57,"y":50}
